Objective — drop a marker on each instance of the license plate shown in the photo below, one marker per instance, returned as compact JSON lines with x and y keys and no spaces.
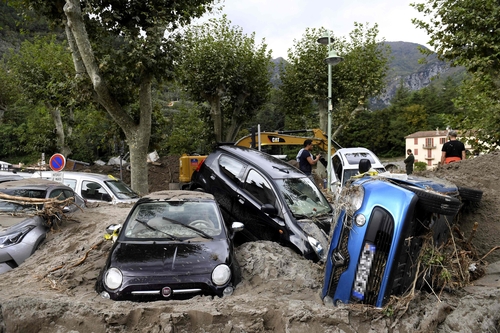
{"x":363,"y":271}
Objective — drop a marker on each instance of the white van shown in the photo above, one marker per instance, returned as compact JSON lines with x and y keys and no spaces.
{"x":93,"y":187}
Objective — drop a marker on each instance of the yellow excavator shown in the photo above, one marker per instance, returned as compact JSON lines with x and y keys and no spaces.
{"x":270,"y":142}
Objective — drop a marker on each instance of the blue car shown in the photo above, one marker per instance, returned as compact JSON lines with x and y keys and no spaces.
{"x":368,"y":254}
{"x":378,"y":235}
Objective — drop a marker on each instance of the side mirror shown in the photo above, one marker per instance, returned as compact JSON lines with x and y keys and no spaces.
{"x":269,"y":209}
{"x":237,"y":226}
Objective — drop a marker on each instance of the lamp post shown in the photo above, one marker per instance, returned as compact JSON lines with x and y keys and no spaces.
{"x":332,"y":60}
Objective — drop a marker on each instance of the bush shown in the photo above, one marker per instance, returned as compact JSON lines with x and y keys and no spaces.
{"x":420,"y":166}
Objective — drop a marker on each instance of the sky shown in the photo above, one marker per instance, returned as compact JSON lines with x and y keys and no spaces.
{"x":281,"y":22}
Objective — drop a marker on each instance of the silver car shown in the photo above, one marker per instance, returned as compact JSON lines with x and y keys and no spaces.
{"x":22,"y":230}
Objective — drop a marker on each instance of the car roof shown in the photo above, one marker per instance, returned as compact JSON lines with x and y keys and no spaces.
{"x":76,"y":174}
{"x":269,"y":164}
{"x":358,"y":150}
{"x":179,"y":195}
{"x":35,"y":183}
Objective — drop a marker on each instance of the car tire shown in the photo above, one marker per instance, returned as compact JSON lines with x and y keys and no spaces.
{"x":470,"y":194}
{"x":433,"y":202}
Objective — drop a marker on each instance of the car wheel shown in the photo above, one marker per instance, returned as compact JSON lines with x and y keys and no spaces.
{"x":470,"y":194}
{"x":434,"y":202}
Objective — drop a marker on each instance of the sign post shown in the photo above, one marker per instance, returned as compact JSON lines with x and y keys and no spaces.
{"x":57,"y":163}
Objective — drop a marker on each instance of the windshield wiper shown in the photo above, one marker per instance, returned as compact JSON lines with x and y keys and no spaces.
{"x":281,"y":169}
{"x":198,"y":231}
{"x":145,"y":223}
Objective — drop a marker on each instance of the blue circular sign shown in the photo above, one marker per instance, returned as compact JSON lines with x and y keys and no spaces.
{"x":57,"y":162}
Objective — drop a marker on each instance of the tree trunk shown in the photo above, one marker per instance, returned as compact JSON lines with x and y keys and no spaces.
{"x":64,"y":149}
{"x":216,"y":116}
{"x":137,"y":135}
{"x":235,"y":125}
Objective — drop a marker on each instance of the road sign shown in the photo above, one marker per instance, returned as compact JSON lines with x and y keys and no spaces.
{"x":57,"y":162}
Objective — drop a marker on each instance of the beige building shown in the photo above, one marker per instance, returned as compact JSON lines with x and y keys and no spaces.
{"x":426,"y":146}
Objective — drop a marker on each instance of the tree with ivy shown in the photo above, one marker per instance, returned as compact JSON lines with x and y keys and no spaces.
{"x":358,"y":77}
{"x":123,"y":47}
{"x":228,"y":70}
{"x":465,"y":33}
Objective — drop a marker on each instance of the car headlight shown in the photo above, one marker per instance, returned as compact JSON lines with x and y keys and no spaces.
{"x":14,"y":237}
{"x":221,"y":275}
{"x":318,"y":248}
{"x":113,"y":278}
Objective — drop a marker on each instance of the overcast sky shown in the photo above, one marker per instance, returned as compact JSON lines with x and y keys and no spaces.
{"x":282,"y":21}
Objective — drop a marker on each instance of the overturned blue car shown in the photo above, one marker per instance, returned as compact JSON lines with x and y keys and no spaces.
{"x":379,"y":231}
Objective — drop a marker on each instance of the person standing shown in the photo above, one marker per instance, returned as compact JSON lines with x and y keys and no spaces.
{"x":306,"y":160}
{"x":409,"y":162}
{"x":453,"y":150}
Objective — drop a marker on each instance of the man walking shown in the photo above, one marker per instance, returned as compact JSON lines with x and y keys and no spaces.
{"x":452,"y":150}
{"x":409,"y":162}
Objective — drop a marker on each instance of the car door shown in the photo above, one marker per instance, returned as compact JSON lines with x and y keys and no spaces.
{"x":223,"y":181}
{"x":258,"y":207}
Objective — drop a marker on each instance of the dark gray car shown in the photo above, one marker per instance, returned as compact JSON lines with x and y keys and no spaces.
{"x":274,"y":200}
{"x":22,"y":227}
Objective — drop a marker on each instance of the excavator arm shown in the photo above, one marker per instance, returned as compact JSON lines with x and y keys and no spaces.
{"x":285,"y":138}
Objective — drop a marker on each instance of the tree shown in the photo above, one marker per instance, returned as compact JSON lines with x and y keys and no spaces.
{"x":123,"y":47}
{"x":465,"y":32}
{"x":226,"y":69}
{"x":360,"y":76}
{"x":43,"y":69}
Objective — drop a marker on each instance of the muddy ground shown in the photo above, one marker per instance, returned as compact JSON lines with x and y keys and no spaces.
{"x":53,"y":291}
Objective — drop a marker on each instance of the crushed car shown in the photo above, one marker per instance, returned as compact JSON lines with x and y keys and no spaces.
{"x":29,"y":208}
{"x":274,"y":200}
{"x":381,"y":223}
{"x":172,"y":245}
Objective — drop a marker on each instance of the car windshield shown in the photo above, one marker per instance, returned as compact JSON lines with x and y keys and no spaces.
{"x":121,"y":190}
{"x":303,"y":198}
{"x":11,"y":206}
{"x":173,"y":220}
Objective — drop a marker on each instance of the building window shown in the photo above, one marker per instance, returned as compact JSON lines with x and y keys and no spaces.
{"x":429,"y":142}
{"x":429,"y":162}
{"x":415,"y":141}
{"x":415,"y":152}
{"x":429,"y":153}
{"x":442,"y":140}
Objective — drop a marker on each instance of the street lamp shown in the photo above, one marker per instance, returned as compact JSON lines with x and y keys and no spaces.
{"x":332,"y":60}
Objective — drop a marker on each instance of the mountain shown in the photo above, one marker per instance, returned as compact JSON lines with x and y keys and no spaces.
{"x":407,"y":67}
{"x":413,"y":70}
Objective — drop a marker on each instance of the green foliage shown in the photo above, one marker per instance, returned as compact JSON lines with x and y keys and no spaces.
{"x":420,"y":166}
{"x":358,"y":77}
{"x":186,"y":131}
{"x":465,"y":33}
{"x":225,"y":68}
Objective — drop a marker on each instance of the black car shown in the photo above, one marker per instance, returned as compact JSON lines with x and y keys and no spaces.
{"x":274,"y":200}
{"x":173,"y":245}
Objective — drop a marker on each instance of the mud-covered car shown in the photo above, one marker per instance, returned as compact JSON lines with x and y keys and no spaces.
{"x":380,"y":230}
{"x":274,"y":200}
{"x":23,"y":224}
{"x":173,"y":245}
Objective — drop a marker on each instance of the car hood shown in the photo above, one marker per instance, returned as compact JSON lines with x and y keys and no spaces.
{"x":12,"y":223}
{"x":168,"y":259}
